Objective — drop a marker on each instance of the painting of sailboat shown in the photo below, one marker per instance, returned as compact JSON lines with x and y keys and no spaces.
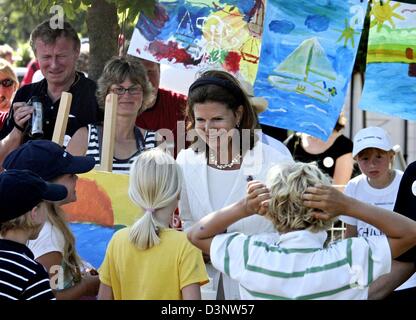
{"x":307,"y":55}
{"x":297,"y":71}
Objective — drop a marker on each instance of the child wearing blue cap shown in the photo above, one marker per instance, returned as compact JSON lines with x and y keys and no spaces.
{"x":55,"y":246}
{"x":21,"y":219}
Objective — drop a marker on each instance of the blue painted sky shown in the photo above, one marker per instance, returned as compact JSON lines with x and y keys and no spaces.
{"x":388,"y":88}
{"x":396,"y":97}
{"x":175,"y":10}
{"x":287,"y":25}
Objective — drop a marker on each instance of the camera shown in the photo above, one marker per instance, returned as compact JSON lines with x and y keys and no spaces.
{"x":36,"y":130}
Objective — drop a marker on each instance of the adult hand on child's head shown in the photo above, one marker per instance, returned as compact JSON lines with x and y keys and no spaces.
{"x":328,"y":200}
{"x":258,"y":196}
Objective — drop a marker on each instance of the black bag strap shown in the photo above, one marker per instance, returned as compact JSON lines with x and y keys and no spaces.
{"x":100,"y":138}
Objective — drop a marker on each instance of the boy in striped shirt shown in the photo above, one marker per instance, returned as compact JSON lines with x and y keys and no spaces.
{"x":293,"y":263}
{"x":21,"y":192}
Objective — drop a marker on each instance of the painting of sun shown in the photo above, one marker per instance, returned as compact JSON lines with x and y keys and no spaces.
{"x":390,"y":77}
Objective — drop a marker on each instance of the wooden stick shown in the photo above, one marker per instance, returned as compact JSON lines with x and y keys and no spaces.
{"x":109,"y":132}
{"x":62,"y":118}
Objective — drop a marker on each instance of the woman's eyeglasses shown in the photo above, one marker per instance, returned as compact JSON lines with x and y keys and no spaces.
{"x":132,"y":90}
{"x":6,"y":83}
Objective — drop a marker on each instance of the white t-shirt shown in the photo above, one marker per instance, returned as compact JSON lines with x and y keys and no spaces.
{"x":50,"y":239}
{"x":359,"y":188}
{"x":296,"y":266}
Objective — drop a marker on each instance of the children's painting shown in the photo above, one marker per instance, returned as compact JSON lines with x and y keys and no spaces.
{"x":390,"y":77}
{"x":307,"y":56}
{"x":203,"y":34}
{"x":102,"y":207}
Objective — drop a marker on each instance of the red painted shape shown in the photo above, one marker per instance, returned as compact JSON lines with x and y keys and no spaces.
{"x":232,"y":62}
{"x":171,"y":51}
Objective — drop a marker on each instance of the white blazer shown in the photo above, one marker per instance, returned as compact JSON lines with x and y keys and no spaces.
{"x":195,"y":201}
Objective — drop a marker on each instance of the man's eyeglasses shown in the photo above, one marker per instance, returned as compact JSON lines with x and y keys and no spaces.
{"x":6,"y":83}
{"x":132,"y":90}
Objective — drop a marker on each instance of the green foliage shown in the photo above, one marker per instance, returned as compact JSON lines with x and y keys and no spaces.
{"x":71,"y":7}
{"x":15,"y":22}
{"x":25,"y":52}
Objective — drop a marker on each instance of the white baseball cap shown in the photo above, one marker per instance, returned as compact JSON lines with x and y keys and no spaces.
{"x":371,"y":137}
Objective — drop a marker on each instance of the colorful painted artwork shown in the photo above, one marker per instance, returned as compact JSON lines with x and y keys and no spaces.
{"x":390,"y":77}
{"x":308,"y":51}
{"x":203,"y":34}
{"x":102,"y":207}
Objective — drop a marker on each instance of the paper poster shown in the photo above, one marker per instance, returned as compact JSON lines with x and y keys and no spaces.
{"x":203,"y":34}
{"x":307,"y":56}
{"x":390,"y":77}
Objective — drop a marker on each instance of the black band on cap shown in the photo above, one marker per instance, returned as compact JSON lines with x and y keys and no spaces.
{"x":236,"y":91}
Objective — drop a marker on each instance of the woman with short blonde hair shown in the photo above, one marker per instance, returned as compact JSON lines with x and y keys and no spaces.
{"x":126,"y":77}
{"x":8,"y":85}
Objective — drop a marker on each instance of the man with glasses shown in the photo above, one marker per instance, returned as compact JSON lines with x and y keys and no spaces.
{"x":57,"y":51}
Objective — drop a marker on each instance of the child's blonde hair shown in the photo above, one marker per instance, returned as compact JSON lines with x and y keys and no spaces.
{"x":287,"y":183}
{"x":155,"y":181}
{"x":24,"y":222}
{"x":70,"y":259}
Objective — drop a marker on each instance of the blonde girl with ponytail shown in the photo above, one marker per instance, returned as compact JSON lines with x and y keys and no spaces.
{"x":149,"y":260}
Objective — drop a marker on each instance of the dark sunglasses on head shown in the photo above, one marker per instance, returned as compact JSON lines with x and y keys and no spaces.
{"x":7,"y":83}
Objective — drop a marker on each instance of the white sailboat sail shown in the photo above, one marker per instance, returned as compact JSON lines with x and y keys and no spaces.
{"x":294,"y":73}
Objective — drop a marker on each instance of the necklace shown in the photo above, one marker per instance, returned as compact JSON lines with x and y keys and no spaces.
{"x":213,"y":160}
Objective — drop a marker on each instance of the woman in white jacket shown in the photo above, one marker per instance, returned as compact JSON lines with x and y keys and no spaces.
{"x":224,"y":155}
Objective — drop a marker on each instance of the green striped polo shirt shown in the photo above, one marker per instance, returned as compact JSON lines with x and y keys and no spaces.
{"x":296,"y":266}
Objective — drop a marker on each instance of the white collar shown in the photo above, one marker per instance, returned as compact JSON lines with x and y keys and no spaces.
{"x":302,"y":239}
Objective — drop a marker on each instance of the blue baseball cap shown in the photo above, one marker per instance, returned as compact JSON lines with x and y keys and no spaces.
{"x":22,"y":190}
{"x":47,"y":159}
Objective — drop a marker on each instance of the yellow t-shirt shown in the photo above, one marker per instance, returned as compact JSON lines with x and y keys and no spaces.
{"x":158,"y":273}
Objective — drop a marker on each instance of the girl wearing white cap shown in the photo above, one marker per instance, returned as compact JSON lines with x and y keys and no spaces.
{"x":379,"y":182}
